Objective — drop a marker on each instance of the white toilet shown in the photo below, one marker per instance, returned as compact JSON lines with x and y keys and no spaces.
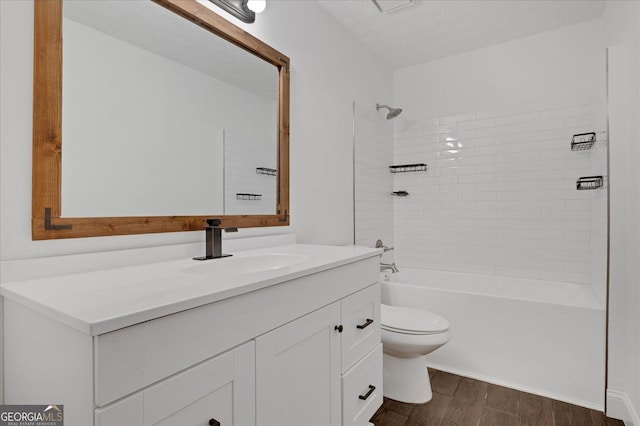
{"x":409,"y":334}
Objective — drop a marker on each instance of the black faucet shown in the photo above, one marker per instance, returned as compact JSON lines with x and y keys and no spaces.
{"x":213,"y":241}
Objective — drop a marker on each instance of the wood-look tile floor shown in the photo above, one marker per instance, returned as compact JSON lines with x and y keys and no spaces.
{"x":467,"y":402}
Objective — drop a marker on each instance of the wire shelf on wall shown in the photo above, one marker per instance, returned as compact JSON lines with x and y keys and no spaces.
{"x":266,"y":171}
{"x":404,"y":168}
{"x":583,"y":141}
{"x":252,"y":197}
{"x":589,"y":182}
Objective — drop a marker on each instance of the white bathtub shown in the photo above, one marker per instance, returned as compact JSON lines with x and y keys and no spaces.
{"x":542,"y":337}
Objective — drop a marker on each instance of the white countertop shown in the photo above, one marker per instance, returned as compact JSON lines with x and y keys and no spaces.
{"x":102,"y":301}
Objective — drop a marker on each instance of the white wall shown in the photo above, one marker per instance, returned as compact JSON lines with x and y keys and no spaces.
{"x":550,"y":65}
{"x":329,"y":71}
{"x":495,"y":126}
{"x":622,"y":29}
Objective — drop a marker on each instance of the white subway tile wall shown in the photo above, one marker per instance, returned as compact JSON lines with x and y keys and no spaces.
{"x":500,"y":197}
{"x":373,"y":184}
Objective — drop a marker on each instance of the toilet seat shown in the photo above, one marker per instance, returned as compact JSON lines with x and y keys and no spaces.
{"x":400,"y":319}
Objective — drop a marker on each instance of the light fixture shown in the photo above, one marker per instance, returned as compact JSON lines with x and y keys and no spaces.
{"x":257,"y":6}
{"x":388,"y":6}
{"x":244,"y":10}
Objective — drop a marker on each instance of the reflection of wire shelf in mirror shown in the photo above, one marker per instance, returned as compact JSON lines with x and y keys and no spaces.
{"x":589,"y":182}
{"x":266,"y":171}
{"x":251,"y":197}
{"x":583,"y":141}
{"x":404,"y":168}
{"x":400,"y":193}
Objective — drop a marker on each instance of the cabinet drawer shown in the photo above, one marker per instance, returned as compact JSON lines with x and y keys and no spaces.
{"x":361,"y":322}
{"x":362,"y":389}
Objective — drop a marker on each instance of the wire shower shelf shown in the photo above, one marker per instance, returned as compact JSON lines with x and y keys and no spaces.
{"x":404,"y":168}
{"x":583,"y":141}
{"x":266,"y":171}
{"x":589,"y":182}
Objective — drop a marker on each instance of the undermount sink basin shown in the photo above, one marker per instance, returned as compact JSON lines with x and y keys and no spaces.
{"x":246,"y":264}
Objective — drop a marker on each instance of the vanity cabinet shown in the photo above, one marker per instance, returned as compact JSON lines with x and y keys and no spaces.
{"x":304,"y":349}
{"x":321,"y":369}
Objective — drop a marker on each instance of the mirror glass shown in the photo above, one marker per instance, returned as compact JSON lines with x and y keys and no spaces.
{"x":161,"y":117}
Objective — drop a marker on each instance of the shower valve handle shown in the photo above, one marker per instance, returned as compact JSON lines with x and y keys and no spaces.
{"x":380,"y":244}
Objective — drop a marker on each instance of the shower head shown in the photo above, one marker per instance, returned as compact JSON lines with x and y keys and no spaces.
{"x":393,"y":112}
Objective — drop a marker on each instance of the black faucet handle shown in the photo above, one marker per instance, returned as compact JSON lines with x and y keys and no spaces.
{"x":214,"y":222}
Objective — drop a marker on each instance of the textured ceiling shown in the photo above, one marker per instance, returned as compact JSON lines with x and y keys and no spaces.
{"x":432,"y":29}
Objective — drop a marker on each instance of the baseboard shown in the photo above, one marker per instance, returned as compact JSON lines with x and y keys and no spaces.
{"x":619,"y":406}
{"x":519,"y":387}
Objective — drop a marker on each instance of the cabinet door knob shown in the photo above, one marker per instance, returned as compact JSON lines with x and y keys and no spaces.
{"x":368,"y":394}
{"x":339,"y":328}
{"x":366,"y":324}
{"x":214,"y":422}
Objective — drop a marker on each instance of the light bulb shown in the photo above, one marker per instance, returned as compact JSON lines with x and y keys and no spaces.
{"x":257,"y":5}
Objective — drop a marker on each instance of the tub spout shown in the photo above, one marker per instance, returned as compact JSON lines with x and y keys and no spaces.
{"x":389,"y":267}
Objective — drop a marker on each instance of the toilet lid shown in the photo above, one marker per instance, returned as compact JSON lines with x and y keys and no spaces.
{"x":410,"y":320}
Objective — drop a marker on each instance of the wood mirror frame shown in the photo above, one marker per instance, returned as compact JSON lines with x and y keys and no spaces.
{"x":46,"y":220}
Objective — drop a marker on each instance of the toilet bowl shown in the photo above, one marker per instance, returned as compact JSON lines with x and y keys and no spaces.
{"x":408,"y":335}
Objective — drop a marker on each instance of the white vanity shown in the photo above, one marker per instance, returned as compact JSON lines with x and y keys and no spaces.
{"x":286,"y":335}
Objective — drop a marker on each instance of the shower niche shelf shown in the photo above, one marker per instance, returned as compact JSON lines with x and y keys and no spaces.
{"x":583,"y":141}
{"x":405,"y":168}
{"x":266,"y":171}
{"x":589,"y":182}
{"x":400,"y":193}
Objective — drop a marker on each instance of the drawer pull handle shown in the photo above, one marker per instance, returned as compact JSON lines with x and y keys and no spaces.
{"x":339,"y":328}
{"x":368,"y":394}
{"x":366,"y":324}
{"x":214,"y":422}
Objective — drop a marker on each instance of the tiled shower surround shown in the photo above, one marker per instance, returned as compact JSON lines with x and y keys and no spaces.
{"x":499,"y":196}
{"x":373,"y":185}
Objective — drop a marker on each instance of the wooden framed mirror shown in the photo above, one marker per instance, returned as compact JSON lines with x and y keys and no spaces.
{"x":49,"y":217}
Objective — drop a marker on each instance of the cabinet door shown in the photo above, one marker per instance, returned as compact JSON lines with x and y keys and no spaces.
{"x":127,"y":412}
{"x":220,"y":389}
{"x":298,"y":371}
